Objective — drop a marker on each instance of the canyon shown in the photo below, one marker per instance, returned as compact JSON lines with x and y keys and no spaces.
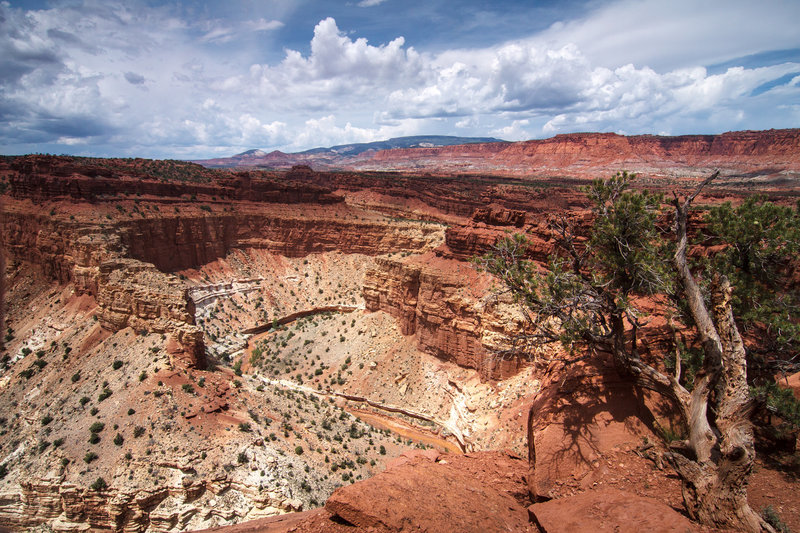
{"x":191,"y":347}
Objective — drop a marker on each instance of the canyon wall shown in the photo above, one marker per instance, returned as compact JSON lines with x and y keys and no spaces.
{"x":125,"y":257}
{"x":43,"y":178}
{"x":452,"y":314}
{"x":68,"y":507}
{"x":460,"y":196}
{"x":178,"y":243}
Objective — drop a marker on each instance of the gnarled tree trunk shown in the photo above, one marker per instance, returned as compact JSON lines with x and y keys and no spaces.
{"x":719,"y":453}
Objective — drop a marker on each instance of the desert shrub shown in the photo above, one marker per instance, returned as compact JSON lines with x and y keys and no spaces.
{"x":99,"y":484}
{"x":89,"y":457}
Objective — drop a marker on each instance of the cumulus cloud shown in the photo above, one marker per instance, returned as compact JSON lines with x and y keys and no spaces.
{"x":370,"y":3}
{"x":335,"y":57}
{"x":133,"y":79}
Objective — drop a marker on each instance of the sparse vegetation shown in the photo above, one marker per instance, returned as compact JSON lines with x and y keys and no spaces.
{"x":99,"y":484}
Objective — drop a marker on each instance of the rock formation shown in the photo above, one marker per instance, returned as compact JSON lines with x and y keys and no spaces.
{"x":433,"y":300}
{"x":770,"y":154}
{"x":212,"y":334}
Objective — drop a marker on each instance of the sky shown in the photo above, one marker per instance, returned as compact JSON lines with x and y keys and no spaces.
{"x":191,"y":80}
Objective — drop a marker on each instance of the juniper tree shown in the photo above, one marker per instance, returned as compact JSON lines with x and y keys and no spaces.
{"x":585,"y":298}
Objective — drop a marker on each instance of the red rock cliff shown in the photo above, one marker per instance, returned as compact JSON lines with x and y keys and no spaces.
{"x":584,"y":154}
{"x":447,"y":306}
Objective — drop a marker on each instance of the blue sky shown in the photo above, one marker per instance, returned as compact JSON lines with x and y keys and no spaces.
{"x":205,"y":79}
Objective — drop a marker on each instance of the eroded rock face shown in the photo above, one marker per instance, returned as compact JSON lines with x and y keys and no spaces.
{"x":451,"y":319}
{"x":124,"y":264}
{"x":111,"y":284}
{"x":67,"y":507}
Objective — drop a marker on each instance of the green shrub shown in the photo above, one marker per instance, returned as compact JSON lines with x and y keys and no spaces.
{"x":97,"y":427}
{"x":46,"y":419}
{"x":771,"y":516}
{"x":89,"y":457}
{"x":299,"y":450}
{"x":116,"y":365}
{"x":99,"y":484}
{"x":118,"y":440}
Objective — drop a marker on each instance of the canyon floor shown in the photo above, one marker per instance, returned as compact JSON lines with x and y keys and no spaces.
{"x":189,"y":348}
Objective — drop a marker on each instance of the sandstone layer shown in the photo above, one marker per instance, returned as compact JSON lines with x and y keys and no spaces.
{"x":769,"y":155}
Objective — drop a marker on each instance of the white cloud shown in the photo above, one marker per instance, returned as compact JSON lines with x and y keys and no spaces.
{"x":670,"y":35}
{"x":265,"y":25}
{"x":370,"y":3}
{"x":336,"y":57}
{"x":325,"y":131}
{"x":149,"y":83}
{"x":516,"y":131}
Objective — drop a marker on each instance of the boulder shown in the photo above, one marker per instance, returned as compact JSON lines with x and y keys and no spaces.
{"x":610,"y":510}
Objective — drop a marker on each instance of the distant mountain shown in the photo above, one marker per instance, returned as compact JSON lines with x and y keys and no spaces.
{"x":335,"y":156}
{"x":416,"y":141}
{"x":253,"y":153}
